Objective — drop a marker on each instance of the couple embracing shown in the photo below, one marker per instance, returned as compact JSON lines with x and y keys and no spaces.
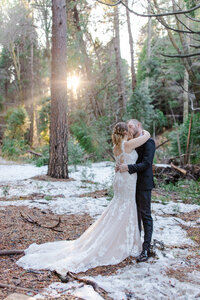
{"x":116,"y":234}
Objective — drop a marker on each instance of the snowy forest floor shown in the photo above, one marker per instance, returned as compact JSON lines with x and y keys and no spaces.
{"x":25,"y":190}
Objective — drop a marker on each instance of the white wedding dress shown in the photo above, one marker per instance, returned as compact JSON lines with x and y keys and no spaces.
{"x":109,"y":240}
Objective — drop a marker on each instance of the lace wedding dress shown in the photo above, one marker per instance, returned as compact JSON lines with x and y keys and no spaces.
{"x":109,"y":240}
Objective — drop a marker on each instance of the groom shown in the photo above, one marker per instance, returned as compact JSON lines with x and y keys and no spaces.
{"x":145,"y":184}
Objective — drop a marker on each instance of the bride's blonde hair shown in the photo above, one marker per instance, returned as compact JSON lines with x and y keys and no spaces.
{"x":119,"y":132}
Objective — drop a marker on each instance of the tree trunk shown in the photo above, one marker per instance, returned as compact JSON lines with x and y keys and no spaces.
{"x":185,"y":96}
{"x":148,"y":45}
{"x":133,"y":76}
{"x":17,"y":65}
{"x":88,"y":65}
{"x":32,"y":108}
{"x":120,"y":81}
{"x":58,"y":158}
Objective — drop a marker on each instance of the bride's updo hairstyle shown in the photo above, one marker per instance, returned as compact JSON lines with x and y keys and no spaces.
{"x":119,"y":132}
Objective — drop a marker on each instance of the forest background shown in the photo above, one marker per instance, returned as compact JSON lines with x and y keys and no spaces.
{"x":160,"y":87}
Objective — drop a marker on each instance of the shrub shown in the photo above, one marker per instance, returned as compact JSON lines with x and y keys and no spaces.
{"x":13,"y":148}
{"x":140,"y":107}
{"x":75,"y":154}
{"x":17,"y":123}
{"x":94,"y":137}
{"x":43,"y":119}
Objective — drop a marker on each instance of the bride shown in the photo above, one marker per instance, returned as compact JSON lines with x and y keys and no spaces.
{"x":111,"y":238}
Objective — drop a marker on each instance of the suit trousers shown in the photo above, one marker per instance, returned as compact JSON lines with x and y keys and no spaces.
{"x":143,"y":200}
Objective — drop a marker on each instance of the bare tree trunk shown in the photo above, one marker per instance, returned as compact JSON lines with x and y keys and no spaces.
{"x":133,"y":76}
{"x":148,"y":45}
{"x":17,"y":65}
{"x":120,"y":81}
{"x":186,"y":78}
{"x":32,"y":105}
{"x":185,"y":95}
{"x":88,"y":66}
{"x":58,"y":158}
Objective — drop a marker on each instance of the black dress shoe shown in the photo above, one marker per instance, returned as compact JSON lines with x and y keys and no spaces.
{"x":143,"y":256}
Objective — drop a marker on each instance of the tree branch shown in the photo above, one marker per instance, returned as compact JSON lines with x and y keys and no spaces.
{"x":193,"y":19}
{"x":181,"y":56}
{"x":9,"y":286}
{"x":195,"y":46}
{"x":178,"y":12}
{"x":177,"y":30}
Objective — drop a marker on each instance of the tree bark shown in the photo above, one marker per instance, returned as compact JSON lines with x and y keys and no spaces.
{"x":148,"y":45}
{"x":133,"y":76}
{"x":120,"y":81}
{"x":58,"y":158}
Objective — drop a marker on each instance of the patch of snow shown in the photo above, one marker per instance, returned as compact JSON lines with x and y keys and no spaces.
{"x":19,"y":172}
{"x":57,"y":289}
{"x":173,"y":208}
{"x":163,"y":165}
{"x":146,"y":281}
{"x":169,"y":231}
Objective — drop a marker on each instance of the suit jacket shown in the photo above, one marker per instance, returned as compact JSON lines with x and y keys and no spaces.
{"x":143,"y":166}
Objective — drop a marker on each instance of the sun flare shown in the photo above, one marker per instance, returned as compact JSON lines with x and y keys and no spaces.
{"x":73,"y":82}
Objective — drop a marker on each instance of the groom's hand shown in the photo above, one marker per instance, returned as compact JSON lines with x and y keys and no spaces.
{"x":123,"y":168}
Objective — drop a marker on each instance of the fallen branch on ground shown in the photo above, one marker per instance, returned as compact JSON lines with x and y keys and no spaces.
{"x":30,"y":220}
{"x":11,"y":252}
{"x":33,"y":152}
{"x":179,"y":169}
{"x":95,"y":286}
{"x":3,"y":285}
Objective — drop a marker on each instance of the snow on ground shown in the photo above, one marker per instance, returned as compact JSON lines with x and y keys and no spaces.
{"x":145,"y":280}
{"x":16,"y":182}
{"x":19,"y":172}
{"x":173,"y":208}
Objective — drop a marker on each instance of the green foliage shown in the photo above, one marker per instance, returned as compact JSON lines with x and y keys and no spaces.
{"x":190,"y":4}
{"x":140,"y":107}
{"x":13,"y":148}
{"x":94,"y":137}
{"x":43,"y":119}
{"x":183,"y":134}
{"x":165,"y":77}
{"x":75,"y":154}
{"x":44,"y":159}
{"x":160,"y":120}
{"x":14,"y":143}
{"x":17,"y":122}
{"x":2,"y":100}
{"x":188,"y":190}
{"x":142,"y":67}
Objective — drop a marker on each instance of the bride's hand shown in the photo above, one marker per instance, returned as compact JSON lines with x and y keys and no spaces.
{"x":123,"y":168}
{"x":116,"y":168}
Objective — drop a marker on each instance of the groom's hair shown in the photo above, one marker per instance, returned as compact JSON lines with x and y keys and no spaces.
{"x":134,"y":121}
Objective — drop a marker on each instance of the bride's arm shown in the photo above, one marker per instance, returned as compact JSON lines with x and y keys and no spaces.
{"x":137,"y":142}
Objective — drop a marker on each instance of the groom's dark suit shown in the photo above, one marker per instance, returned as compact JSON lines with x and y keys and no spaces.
{"x":145,"y":184}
